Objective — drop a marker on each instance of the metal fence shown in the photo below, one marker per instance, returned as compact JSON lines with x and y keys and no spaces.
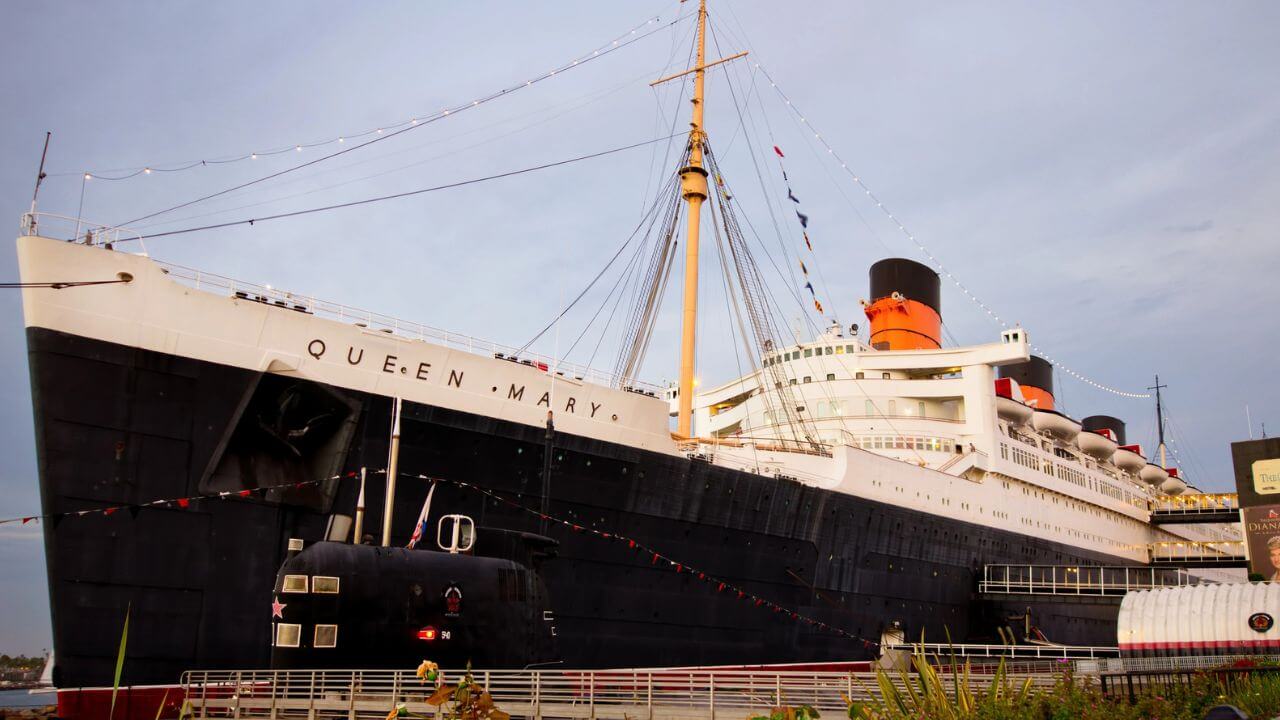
{"x":612,"y":694}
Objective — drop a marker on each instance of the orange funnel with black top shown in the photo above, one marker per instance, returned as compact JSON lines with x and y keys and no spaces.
{"x":1035,"y":377}
{"x":906,"y":306}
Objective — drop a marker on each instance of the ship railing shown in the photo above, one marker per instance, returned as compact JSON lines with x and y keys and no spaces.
{"x":1079,"y":579}
{"x":1198,"y":503}
{"x":378,"y":322}
{"x":78,"y":229}
{"x":656,"y":694}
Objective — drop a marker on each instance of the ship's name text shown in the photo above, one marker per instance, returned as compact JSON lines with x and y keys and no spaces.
{"x":394,"y":364}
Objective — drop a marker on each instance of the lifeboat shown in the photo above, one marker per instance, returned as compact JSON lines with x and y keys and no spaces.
{"x":1056,"y":424}
{"x":1008,"y":407}
{"x":1097,"y":445}
{"x":1173,"y":486}
{"x":1154,"y":475}
{"x":1129,"y":458}
{"x":1013,"y":411}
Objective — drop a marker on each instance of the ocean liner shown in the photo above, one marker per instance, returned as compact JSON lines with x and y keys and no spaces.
{"x":856,"y":479}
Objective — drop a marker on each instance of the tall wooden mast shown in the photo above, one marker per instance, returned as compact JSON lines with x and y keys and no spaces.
{"x":693,"y":185}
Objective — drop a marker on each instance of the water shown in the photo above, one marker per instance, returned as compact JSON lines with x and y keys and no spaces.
{"x":24,"y":699}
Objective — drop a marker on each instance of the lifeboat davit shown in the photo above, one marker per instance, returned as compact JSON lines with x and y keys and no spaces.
{"x":1154,"y":475}
{"x":1055,"y":423}
{"x":1129,"y":458}
{"x":1097,"y":445}
{"x":1173,"y":486}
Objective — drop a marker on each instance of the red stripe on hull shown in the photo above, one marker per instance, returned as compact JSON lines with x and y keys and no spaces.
{"x":132,"y":703}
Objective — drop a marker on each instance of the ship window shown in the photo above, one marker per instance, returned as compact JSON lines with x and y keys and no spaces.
{"x":808,"y":352}
{"x":324,"y":585}
{"x":295,"y":584}
{"x":870,"y":407}
{"x":808,"y":378}
{"x":829,"y":350}
{"x":793,"y":381}
{"x":839,"y":349}
{"x":848,"y":349}
{"x":288,"y":634}
{"x":920,"y":407}
{"x":860,"y":376}
{"x":884,"y":376}
{"x":326,"y":636}
{"x":893,"y":407}
{"x":831,"y":376}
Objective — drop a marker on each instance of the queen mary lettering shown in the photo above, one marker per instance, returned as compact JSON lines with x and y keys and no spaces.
{"x":396,"y":365}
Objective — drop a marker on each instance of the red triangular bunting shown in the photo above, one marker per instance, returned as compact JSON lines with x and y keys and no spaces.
{"x":721,"y":588}
{"x":779,"y":151}
{"x":183,"y":502}
{"x":108,"y":511}
{"x":246,"y":493}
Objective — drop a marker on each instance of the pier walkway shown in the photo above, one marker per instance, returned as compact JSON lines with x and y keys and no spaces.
{"x":1106,"y":584}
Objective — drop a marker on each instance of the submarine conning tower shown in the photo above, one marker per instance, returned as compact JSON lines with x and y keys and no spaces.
{"x":1035,"y":377}
{"x":1094,"y":423}
{"x":906,"y":306}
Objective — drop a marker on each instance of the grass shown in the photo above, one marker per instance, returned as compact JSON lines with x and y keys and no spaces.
{"x":940,"y":690}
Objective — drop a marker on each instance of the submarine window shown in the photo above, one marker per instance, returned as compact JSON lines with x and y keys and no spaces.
{"x":288,"y":634}
{"x":294,"y":584}
{"x":324,"y":585}
{"x":326,"y":636}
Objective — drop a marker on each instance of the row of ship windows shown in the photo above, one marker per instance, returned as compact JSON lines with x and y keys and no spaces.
{"x":832,"y":376}
{"x":839,"y":408}
{"x":810,"y":352}
{"x":1071,"y":475}
{"x":322,"y":584}
{"x":290,"y":635}
{"x":907,"y":442}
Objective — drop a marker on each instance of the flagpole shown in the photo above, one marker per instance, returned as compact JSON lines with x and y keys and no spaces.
{"x":358,"y":535}
{"x":393,"y":463}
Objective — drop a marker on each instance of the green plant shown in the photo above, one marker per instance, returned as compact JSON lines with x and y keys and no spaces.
{"x":468,"y":700}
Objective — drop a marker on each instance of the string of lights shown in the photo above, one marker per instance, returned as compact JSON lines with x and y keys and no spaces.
{"x":125,"y":173}
{"x":397,"y":196}
{"x":902,"y":228}
{"x":655,"y":558}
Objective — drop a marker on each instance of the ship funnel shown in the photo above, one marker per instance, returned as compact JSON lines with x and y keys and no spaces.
{"x":1094,"y":423}
{"x":1035,"y":377}
{"x":906,"y":306}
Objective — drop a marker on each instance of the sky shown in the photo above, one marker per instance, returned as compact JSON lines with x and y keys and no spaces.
{"x":1103,"y":174}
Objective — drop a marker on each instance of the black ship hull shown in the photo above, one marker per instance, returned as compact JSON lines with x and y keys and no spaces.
{"x":119,"y":425}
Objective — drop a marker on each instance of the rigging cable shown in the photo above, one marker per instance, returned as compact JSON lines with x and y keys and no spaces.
{"x":183,"y":165}
{"x":415,"y":124}
{"x":857,"y":179}
{"x":409,"y":193}
{"x":60,"y":285}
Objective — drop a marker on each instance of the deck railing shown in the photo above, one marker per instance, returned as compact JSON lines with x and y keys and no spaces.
{"x":77,"y":229}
